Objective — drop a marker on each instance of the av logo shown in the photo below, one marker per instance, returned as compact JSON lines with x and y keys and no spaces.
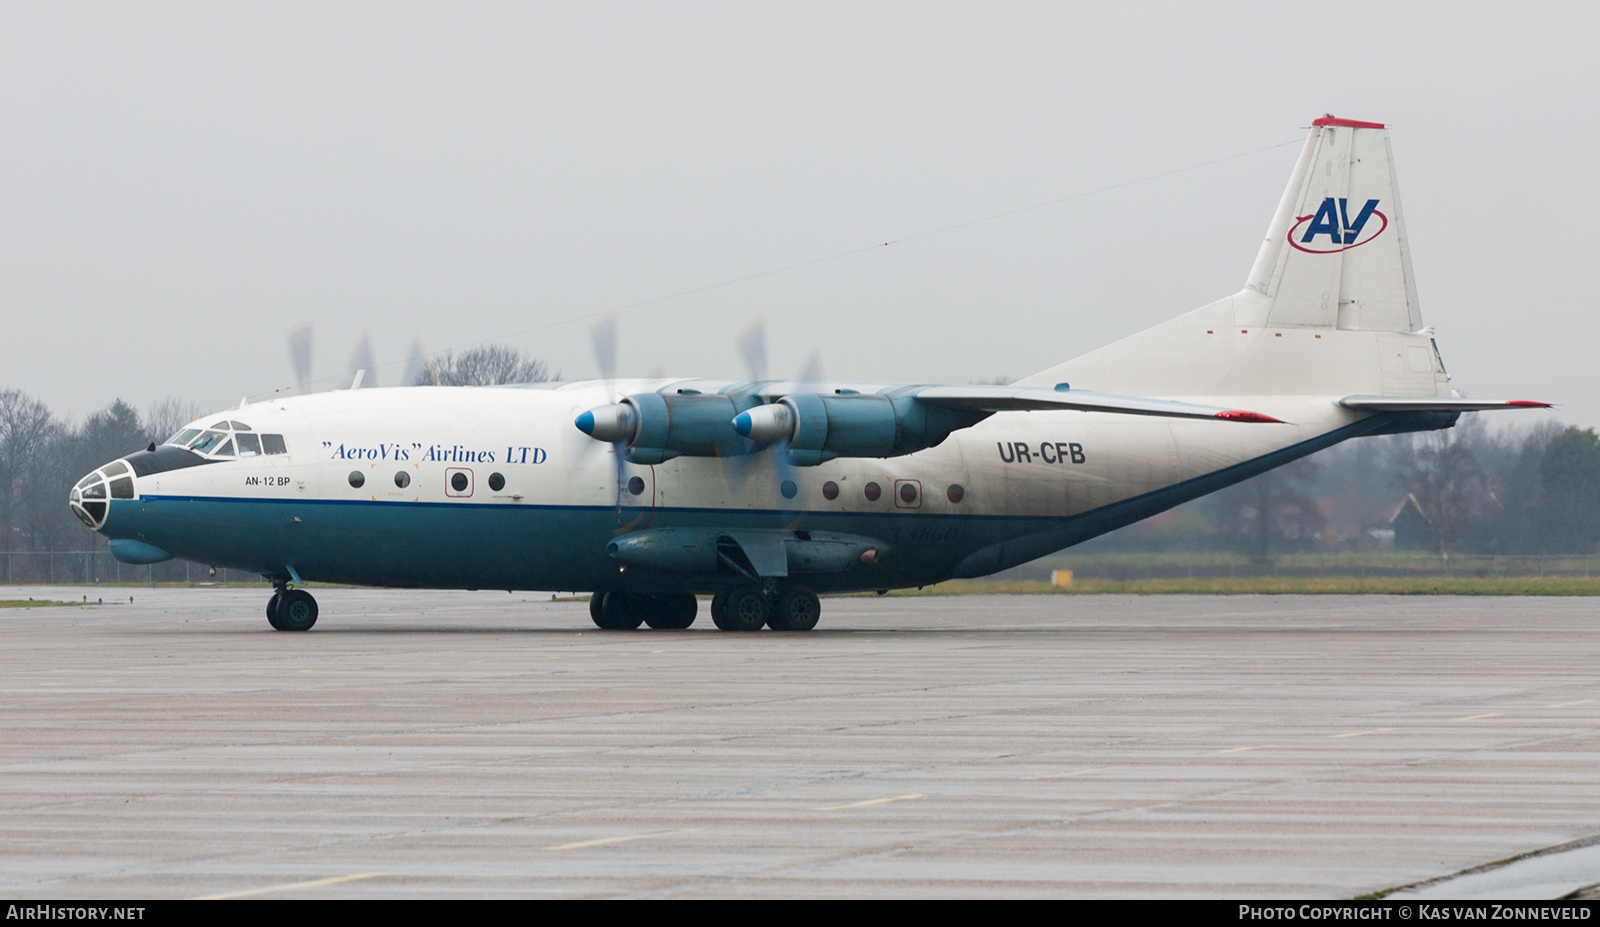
{"x":1332,"y":230}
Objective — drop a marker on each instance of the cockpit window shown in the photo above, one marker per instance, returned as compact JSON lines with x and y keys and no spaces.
{"x":207,"y":441}
{"x":115,"y":468}
{"x":229,"y":439}
{"x":88,"y":479}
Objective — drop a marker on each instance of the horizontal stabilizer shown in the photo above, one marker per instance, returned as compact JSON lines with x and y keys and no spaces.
{"x":1423,"y":404}
{"x":1022,"y":399}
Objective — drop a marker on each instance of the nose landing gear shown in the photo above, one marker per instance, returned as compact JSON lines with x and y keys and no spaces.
{"x":291,"y":610}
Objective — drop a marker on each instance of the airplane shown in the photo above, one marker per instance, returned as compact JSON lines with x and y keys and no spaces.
{"x":765,"y":493}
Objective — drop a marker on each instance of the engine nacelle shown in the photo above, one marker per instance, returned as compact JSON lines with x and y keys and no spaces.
{"x":819,"y":428}
{"x":658,"y":427}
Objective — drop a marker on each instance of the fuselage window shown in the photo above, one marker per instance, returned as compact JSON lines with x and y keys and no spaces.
{"x":357,"y":478}
{"x":249,"y":445}
{"x":402,"y":479}
{"x":273,"y":444}
{"x":497,"y":482}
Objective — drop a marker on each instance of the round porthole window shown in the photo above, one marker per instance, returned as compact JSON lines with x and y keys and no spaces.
{"x":955,"y":493}
{"x":402,"y":479}
{"x":497,"y":482}
{"x":788,"y":489}
{"x":458,"y":481}
{"x":636,"y":485}
{"x":357,"y":478}
{"x":872,"y":491}
{"x":830,"y":490}
{"x":908,"y":493}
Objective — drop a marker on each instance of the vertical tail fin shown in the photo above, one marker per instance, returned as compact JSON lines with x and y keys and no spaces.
{"x":1329,"y":308}
{"x":1335,"y":255}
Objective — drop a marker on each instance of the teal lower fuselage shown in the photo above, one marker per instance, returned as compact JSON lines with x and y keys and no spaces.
{"x":528,"y":545}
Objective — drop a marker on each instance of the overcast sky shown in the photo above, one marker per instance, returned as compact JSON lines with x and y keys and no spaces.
{"x":180,"y":184}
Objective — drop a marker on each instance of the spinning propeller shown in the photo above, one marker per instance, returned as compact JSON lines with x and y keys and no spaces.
{"x":361,"y":368}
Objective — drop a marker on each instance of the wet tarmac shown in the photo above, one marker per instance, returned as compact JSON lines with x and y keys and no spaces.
{"x":452,"y":744}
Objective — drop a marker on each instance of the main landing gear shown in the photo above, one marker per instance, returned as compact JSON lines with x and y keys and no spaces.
{"x":748,"y":608}
{"x":625,"y":611}
{"x":291,"y":610}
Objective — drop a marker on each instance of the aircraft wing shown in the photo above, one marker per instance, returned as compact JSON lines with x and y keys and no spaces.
{"x":1022,"y":399}
{"x":1430,"y":404}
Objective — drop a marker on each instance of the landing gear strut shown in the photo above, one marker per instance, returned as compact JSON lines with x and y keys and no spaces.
{"x":291,"y":610}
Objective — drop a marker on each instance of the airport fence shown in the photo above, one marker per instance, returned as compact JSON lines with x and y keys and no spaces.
{"x":92,"y":567}
{"x":98,"y":567}
{"x":1125,"y":566}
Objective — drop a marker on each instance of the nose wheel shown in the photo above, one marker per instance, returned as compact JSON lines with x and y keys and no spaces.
{"x":291,"y":610}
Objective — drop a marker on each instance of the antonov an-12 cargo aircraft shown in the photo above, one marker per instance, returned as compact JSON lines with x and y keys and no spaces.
{"x":764,"y":493}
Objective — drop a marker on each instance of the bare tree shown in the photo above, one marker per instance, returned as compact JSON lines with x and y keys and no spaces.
{"x":29,"y":435}
{"x":485,"y":365}
{"x":166,"y":416}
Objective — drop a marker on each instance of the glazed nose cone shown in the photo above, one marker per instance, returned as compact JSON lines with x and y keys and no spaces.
{"x":90,"y":499}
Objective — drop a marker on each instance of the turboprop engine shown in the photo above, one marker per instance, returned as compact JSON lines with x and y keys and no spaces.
{"x":814,"y":428}
{"x":818,"y":428}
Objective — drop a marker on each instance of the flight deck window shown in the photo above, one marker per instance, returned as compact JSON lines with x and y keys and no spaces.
{"x":116,"y":468}
{"x":239,"y":426}
{"x":226,"y":450}
{"x":249,"y":445}
{"x":183,"y":437}
{"x":273,"y":444}
{"x":206,"y":442}
{"x":122,"y":488}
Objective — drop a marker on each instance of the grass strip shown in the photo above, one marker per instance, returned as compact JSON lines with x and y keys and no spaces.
{"x":1275,"y":585}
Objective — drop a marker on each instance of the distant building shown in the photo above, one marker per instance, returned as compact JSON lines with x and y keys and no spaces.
{"x":1403,"y":526}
